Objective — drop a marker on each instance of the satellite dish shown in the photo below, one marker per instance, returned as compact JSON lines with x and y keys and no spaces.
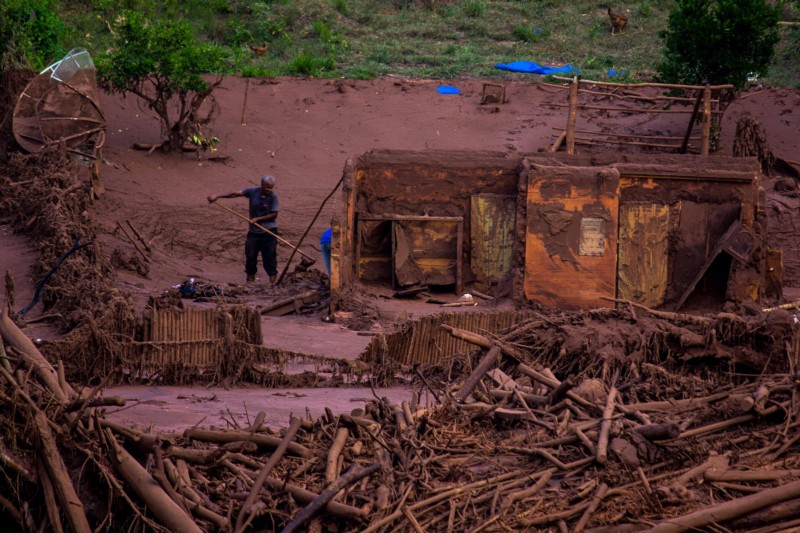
{"x":61,"y":105}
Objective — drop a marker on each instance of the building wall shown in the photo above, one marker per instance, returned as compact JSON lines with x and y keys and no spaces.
{"x":573,"y":216}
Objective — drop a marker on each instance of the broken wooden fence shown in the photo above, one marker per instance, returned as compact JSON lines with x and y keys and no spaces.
{"x":425,"y":341}
{"x":708,"y":103}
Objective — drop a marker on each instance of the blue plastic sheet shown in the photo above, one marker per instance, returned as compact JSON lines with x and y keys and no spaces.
{"x":448,"y":89}
{"x":530,"y":67}
{"x":613,"y":73}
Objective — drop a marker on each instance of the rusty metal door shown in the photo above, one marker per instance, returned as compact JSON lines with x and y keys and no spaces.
{"x":492,"y":236}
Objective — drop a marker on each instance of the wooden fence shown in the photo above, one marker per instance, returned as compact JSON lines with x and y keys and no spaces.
{"x":708,"y":102}
{"x":197,"y":337}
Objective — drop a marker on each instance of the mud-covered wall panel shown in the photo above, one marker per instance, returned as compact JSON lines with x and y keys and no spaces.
{"x":643,"y":253}
{"x":571,"y":236}
{"x":492,"y":237}
{"x":434,"y":183}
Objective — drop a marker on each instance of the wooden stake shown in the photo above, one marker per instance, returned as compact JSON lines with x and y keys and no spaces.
{"x":685,"y":144}
{"x":166,"y":511}
{"x":297,"y":248}
{"x":244,"y":106}
{"x":353,"y":474}
{"x":333,"y":455}
{"x":487,"y":362}
{"x":572,"y":116}
{"x":706,"y":121}
{"x":587,"y":514}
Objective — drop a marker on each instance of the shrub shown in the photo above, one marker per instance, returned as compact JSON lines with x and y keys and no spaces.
{"x":310,"y":65}
{"x":475,"y":8}
{"x":162,"y":63}
{"x":31,"y":33}
{"x":719,"y":41}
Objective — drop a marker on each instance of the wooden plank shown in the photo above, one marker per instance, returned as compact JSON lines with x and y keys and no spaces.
{"x":291,"y":304}
{"x":643,"y":253}
{"x":556,"y":273}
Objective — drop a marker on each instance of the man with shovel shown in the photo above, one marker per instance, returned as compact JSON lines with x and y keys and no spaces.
{"x":262,"y":235}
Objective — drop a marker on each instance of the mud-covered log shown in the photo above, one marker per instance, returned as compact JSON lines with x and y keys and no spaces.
{"x":59,"y":476}
{"x":266,"y":441}
{"x":32,"y":357}
{"x":487,"y":362}
{"x":166,"y":511}
{"x":729,"y":510}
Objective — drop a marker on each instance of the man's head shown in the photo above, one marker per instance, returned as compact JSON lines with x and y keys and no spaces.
{"x":267,"y":184}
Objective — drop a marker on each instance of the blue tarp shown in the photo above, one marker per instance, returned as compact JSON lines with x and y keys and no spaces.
{"x":613,"y":73}
{"x":533,"y":68}
{"x":448,"y":89}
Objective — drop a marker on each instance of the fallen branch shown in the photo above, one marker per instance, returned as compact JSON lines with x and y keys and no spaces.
{"x":294,"y":426}
{"x":353,"y":474}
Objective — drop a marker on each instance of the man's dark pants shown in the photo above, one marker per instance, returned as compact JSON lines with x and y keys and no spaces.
{"x":266,"y":245}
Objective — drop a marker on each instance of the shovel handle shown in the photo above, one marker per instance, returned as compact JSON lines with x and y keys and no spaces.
{"x":256,"y":224}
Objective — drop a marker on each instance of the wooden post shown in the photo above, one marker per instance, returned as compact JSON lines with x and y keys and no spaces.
{"x":244,"y":105}
{"x":572,"y":115}
{"x":685,"y":144}
{"x":459,"y":254}
{"x":706,"y":120}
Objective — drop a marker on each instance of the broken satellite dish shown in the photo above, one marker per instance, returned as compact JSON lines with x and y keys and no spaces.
{"x":61,"y":105}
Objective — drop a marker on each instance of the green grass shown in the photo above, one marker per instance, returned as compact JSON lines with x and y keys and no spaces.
{"x":419,"y":38}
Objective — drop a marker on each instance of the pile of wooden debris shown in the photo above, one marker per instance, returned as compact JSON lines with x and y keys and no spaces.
{"x":510,"y":444}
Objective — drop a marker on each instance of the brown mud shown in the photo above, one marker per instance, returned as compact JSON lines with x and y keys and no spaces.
{"x":303,"y":131}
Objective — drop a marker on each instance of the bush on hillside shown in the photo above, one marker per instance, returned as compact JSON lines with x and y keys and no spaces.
{"x":719,"y":41}
{"x":31,"y":32}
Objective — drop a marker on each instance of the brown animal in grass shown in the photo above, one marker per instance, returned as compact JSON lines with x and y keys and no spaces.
{"x":618,"y":20}
{"x":259,"y":50}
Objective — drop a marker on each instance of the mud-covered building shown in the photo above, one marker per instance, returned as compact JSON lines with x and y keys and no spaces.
{"x":562,"y":230}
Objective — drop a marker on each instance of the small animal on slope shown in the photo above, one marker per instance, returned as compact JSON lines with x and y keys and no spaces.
{"x":618,"y":20}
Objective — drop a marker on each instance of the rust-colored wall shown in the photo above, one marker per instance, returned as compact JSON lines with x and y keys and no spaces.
{"x":704,"y":195}
{"x":571,"y":236}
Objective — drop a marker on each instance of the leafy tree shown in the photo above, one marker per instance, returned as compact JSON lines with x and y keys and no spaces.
{"x":162,"y":62}
{"x":719,"y":41}
{"x":31,"y":32}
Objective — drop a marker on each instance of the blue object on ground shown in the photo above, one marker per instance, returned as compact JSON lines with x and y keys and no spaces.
{"x":325,"y":248}
{"x":448,"y":89}
{"x":613,"y":73}
{"x":537,"y":31}
{"x":533,"y":68}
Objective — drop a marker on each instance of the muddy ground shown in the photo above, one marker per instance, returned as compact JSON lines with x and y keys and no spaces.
{"x":302,"y":131}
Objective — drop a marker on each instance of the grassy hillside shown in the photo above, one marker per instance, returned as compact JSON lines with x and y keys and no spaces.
{"x":422,"y":38}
